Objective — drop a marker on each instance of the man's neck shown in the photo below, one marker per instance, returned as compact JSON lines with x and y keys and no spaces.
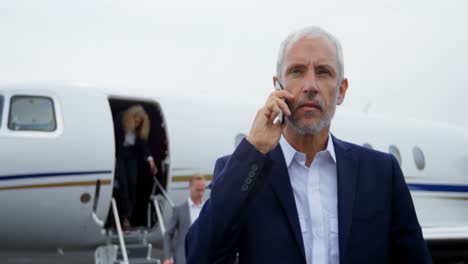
{"x":308,"y":144}
{"x":196,"y":201}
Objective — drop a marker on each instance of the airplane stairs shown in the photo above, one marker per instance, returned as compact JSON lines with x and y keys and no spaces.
{"x":136,"y":247}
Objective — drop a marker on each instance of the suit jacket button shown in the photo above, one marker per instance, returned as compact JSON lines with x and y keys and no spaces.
{"x":248,"y":180}
{"x":245,"y":187}
{"x":251,"y":174}
{"x":254,"y":167}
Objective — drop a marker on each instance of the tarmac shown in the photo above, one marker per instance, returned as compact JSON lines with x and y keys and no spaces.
{"x":54,"y":257}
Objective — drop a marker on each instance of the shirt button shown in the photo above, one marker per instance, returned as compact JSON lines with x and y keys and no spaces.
{"x":245,"y":187}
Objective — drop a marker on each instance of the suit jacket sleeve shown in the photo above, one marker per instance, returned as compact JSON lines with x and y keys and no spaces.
{"x":169,"y":234}
{"x":407,"y":242}
{"x":213,"y":237}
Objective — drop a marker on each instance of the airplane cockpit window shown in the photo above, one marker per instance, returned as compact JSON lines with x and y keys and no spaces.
{"x":419,"y":159}
{"x":1,"y":109}
{"x":395,"y":152}
{"x":32,"y":113}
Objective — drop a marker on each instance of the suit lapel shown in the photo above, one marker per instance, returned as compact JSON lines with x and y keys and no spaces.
{"x":186,"y":218}
{"x":281,"y":185}
{"x":347,"y":173}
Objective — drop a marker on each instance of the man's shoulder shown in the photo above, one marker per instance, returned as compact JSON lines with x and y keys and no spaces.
{"x":183,"y":205}
{"x":224,"y":159}
{"x":364,"y":152}
{"x":219,"y":166}
{"x":221,"y":163}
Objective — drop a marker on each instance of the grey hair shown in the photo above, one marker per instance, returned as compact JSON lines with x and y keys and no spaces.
{"x":309,"y":32}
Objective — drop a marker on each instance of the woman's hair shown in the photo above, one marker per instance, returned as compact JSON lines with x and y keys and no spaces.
{"x":128,"y":121}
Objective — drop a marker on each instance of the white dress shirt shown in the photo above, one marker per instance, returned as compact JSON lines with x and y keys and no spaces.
{"x":315,"y":193}
{"x":129,"y":140}
{"x":194,"y":210}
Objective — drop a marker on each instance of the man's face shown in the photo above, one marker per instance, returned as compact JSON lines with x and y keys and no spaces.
{"x":197,"y":189}
{"x":311,"y":73}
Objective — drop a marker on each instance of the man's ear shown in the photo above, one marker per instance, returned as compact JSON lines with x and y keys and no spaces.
{"x":275,"y":79}
{"x":342,"y":91}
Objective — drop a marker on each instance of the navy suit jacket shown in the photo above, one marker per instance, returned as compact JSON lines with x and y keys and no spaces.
{"x":252,"y":211}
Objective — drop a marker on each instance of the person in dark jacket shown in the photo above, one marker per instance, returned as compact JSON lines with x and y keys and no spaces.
{"x":134,"y":126}
{"x":292,"y":192}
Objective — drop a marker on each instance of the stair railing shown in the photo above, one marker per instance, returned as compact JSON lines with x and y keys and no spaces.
{"x":119,"y":231}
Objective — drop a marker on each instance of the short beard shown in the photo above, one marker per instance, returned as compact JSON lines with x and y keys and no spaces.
{"x":313,"y":129}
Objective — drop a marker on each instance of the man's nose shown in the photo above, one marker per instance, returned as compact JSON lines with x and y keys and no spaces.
{"x":310,"y":84}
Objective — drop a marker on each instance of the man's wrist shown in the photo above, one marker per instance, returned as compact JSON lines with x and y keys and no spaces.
{"x":256,"y":146}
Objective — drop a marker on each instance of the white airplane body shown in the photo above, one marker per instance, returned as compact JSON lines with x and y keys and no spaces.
{"x":51,"y":182}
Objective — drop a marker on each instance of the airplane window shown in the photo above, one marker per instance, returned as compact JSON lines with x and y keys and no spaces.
{"x":419,"y":159}
{"x":367,"y":145}
{"x":395,"y":152}
{"x":1,"y":109}
{"x":31,"y":113}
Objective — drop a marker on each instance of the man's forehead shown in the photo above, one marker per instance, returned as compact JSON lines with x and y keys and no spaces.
{"x":199,"y":181}
{"x":319,"y":49}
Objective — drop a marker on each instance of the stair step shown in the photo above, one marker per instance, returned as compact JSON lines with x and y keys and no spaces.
{"x":140,"y":261}
{"x":136,"y":251}
{"x":133,"y":237}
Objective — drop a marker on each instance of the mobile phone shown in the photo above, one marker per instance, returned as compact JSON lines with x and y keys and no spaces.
{"x":281,"y":116}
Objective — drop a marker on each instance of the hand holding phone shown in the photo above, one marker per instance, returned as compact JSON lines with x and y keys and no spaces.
{"x":267,"y":127}
{"x":281,"y":116}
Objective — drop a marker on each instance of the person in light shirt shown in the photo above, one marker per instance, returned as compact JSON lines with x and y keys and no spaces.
{"x":293,"y":192}
{"x":183,"y":216}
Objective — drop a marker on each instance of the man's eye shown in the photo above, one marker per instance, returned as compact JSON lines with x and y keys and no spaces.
{"x":324,"y":72}
{"x":296,"y":71}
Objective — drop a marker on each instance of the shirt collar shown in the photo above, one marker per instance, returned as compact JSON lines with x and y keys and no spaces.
{"x":289,"y":151}
{"x":192,"y":204}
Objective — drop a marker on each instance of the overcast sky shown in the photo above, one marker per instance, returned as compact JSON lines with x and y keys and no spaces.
{"x":404,"y":58}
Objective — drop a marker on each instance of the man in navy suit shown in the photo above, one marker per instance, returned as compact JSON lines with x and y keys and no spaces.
{"x":294,"y":193}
